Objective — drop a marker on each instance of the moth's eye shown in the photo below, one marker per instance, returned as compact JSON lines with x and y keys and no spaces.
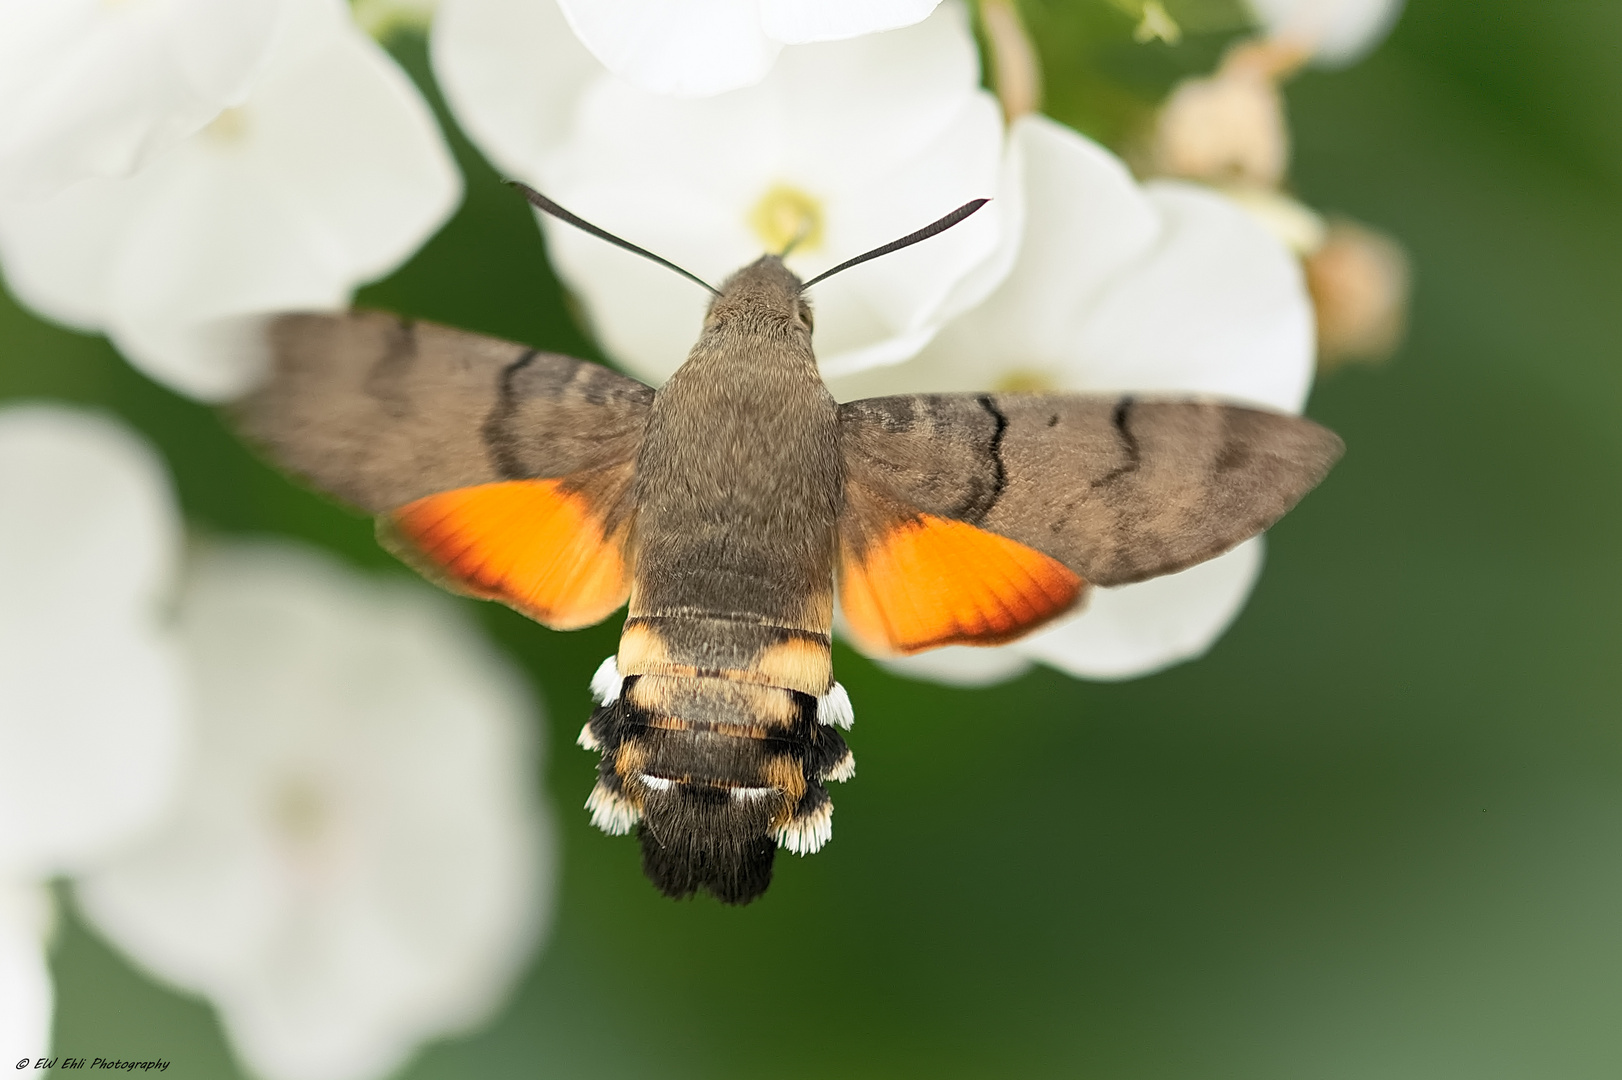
{"x":805,"y":315}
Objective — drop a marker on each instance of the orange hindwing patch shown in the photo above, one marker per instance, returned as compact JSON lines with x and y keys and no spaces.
{"x":929,"y":581}
{"x":534,"y":545}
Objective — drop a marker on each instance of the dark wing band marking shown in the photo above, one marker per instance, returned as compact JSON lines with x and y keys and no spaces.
{"x":1119,"y":419}
{"x":388,"y":379}
{"x":379,"y":411}
{"x":981,"y":502}
{"x":500,"y":450}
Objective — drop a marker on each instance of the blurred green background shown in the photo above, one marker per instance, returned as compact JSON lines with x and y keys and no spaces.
{"x":1376,"y":833}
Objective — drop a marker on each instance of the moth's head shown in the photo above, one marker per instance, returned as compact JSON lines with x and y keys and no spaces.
{"x":763,"y":295}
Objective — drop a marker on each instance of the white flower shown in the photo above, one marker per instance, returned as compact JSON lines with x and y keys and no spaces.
{"x":91,"y":702}
{"x":91,"y":710}
{"x":92,"y":88}
{"x":329,"y":173}
{"x":357,"y":861}
{"x":26,"y":997}
{"x":852,"y":143}
{"x":695,"y":48}
{"x":1164,"y":289}
{"x":1336,"y":32}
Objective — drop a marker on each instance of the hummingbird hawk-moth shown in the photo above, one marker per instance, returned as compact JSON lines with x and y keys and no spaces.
{"x":726,"y":504}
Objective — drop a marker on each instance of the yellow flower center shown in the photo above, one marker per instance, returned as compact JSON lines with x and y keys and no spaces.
{"x":301,"y":811}
{"x":786,"y":217}
{"x":228,"y":127}
{"x":1021,"y":379}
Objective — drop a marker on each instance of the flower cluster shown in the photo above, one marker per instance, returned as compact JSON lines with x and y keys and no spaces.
{"x":303,"y":794}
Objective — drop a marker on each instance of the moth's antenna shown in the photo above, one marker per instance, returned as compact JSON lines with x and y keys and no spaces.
{"x":906,"y":241}
{"x":541,"y":202}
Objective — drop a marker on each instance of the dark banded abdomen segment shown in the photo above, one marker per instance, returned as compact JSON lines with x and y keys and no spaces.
{"x":715,"y":773}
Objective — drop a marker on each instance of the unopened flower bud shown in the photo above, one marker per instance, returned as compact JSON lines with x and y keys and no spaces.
{"x":1359,"y":280}
{"x":1226,"y":129}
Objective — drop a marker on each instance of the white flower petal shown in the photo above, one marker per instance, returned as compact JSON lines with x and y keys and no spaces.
{"x":1137,"y":629}
{"x":358,"y":863}
{"x":1337,"y":31}
{"x":1219,"y":307}
{"x":513,"y":73}
{"x":873,"y":103}
{"x":331,"y":173}
{"x":797,"y":22}
{"x":691,"y":48}
{"x":882,"y":134}
{"x":90,"y":88}
{"x":59,"y":255}
{"x":26,"y":996}
{"x":698,"y":48}
{"x":91,"y":712}
{"x":1297,"y":226}
{"x":885,"y":311}
{"x":961,"y":665}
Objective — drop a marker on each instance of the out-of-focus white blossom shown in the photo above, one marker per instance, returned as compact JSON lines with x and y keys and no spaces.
{"x":91,"y":702}
{"x":1163,"y":289}
{"x":330,"y":173}
{"x":357,"y":863}
{"x":26,"y":997}
{"x":97,"y":88}
{"x":694,"y":48}
{"x":1335,"y":32}
{"x":849,"y":145}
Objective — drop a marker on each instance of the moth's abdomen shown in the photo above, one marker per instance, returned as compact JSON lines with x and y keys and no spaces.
{"x":715,"y":771}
